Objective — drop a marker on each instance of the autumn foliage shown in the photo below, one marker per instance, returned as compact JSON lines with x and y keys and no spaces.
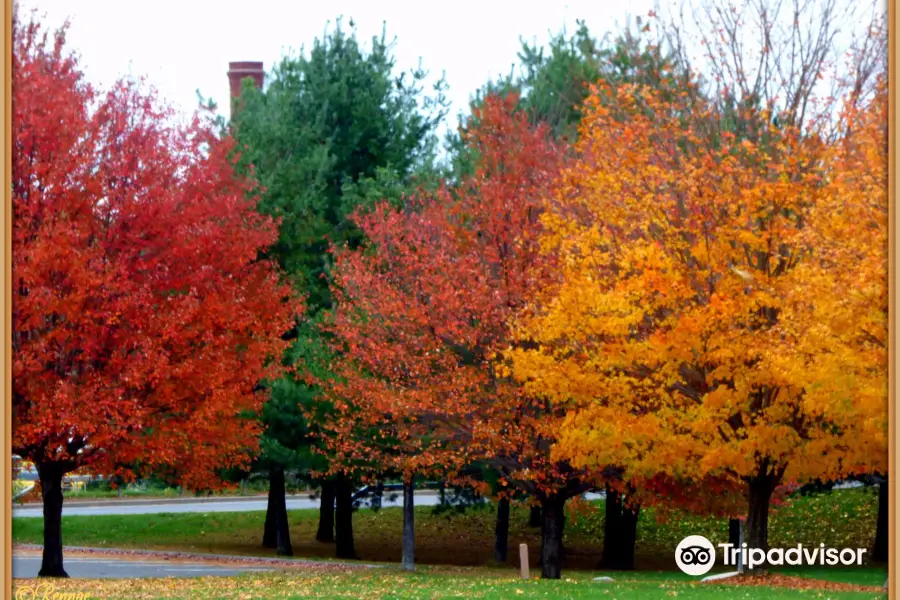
{"x":423,"y":313}
{"x":686,"y":306}
{"x":716,"y":319}
{"x":143,"y":319}
{"x":681,"y":313}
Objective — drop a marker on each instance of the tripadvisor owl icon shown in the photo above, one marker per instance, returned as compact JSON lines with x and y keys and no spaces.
{"x":695,"y":555}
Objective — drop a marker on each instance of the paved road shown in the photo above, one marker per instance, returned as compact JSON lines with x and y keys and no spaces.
{"x":112,"y":507}
{"x":137,"y":507}
{"x":89,"y":567}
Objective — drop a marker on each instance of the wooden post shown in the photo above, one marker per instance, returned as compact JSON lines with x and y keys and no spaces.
{"x":523,"y":559}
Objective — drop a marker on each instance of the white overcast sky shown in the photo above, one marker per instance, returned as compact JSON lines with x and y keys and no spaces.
{"x":185,"y":45}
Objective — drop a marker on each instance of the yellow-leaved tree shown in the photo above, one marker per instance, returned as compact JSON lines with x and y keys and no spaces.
{"x":722,"y":314}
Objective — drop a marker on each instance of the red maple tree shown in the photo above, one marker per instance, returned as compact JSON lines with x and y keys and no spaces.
{"x":143,"y":318}
{"x":424,"y":311}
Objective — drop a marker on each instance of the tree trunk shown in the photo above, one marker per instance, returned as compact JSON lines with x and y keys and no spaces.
{"x":326,"y":513}
{"x":629,"y":537}
{"x":409,"y":521}
{"x":344,"y":519}
{"x":760,"y":492}
{"x":734,"y":532}
{"x":553,"y":521}
{"x":612,"y":526}
{"x":534,"y":517}
{"x":279,"y":505}
{"x":501,"y":531}
{"x":880,"y":551}
{"x":51,"y":475}
{"x":269,"y":536}
{"x":619,"y":533}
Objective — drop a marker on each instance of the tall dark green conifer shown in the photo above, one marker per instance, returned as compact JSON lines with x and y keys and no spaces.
{"x":334,"y":128}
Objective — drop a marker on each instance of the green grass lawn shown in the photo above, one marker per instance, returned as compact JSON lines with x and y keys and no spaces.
{"x":462,"y":545}
{"x":844,"y":518}
{"x":868,"y":575}
{"x":425,"y":583}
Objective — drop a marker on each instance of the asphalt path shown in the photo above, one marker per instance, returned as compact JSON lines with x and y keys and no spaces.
{"x":257,"y":503}
{"x":146,"y":507}
{"x":91,"y":567}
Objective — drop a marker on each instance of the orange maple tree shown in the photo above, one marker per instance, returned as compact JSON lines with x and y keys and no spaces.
{"x":143,"y":318}
{"x":712,"y":322}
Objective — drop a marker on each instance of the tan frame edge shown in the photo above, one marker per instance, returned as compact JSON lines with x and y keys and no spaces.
{"x":6,"y":302}
{"x":893,"y":77}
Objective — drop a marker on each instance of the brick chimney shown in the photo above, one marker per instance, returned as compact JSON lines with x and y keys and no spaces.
{"x":238,"y":71}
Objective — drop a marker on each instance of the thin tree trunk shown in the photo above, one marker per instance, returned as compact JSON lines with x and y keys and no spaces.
{"x":630,"y":516}
{"x":51,"y":475}
{"x":282,"y":529}
{"x":612,"y":527}
{"x":734,"y":532}
{"x":760,"y":492}
{"x":269,"y":535}
{"x":619,"y":533}
{"x":344,"y":519}
{"x":501,"y":531}
{"x":553,"y":522}
{"x":534,"y":516}
{"x":880,"y":551}
{"x":326,"y":512}
{"x":409,"y":535}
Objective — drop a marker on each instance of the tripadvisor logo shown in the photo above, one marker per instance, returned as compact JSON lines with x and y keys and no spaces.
{"x":695,"y":555}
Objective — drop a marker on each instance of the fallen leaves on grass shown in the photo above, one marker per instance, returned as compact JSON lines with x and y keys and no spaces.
{"x":193,"y":557}
{"x":433,"y":584}
{"x":220,"y":588}
{"x":797,"y":583}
